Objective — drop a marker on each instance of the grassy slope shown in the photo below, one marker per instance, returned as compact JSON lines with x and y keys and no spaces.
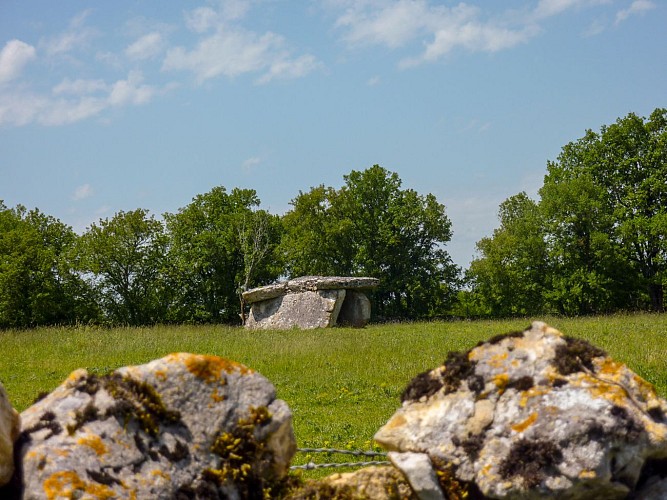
{"x":341,"y":384}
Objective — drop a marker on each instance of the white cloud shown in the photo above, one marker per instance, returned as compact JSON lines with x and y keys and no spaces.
{"x":73,"y":101}
{"x":146,"y":47}
{"x":131,"y":91}
{"x":251,"y":162}
{"x":82,"y":192}
{"x":227,"y":49}
{"x":76,"y":36}
{"x":373,"y":81}
{"x":441,"y":29}
{"x":13,"y":58}
{"x":234,"y":51}
{"x":637,"y":7}
{"x":79,"y":87}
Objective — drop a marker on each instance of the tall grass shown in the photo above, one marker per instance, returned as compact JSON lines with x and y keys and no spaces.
{"x":341,"y":384}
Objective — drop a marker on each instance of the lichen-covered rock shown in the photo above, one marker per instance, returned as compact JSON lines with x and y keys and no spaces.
{"x":184,"y":426}
{"x":9,"y":429}
{"x":534,"y":414}
{"x":376,"y":483}
{"x":309,"y":284}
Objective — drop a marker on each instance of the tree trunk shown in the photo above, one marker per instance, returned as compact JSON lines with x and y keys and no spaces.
{"x":656,"y":292}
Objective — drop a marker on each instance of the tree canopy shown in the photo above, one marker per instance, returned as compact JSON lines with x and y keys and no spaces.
{"x":602,"y":220}
{"x":373,"y":227}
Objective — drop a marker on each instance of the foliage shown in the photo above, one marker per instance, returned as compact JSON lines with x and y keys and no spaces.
{"x":372,"y":227}
{"x":510,"y":275}
{"x":597,"y":240}
{"x":218,"y":245}
{"x":37,"y":283}
{"x":123,"y":259}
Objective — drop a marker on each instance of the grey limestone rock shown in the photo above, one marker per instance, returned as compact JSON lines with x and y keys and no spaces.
{"x":183,"y":426}
{"x":536,"y":414}
{"x":9,"y":429}
{"x":310,"y":302}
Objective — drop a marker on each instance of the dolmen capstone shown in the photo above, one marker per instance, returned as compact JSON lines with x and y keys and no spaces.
{"x":184,"y":426}
{"x":310,"y":302}
{"x":531,"y":415}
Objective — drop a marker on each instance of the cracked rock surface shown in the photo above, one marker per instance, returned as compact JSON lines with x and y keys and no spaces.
{"x":535,"y":414}
{"x":183,"y":426}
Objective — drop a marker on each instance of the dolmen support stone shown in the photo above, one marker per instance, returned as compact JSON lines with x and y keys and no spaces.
{"x":528,"y":415}
{"x":9,"y":430}
{"x":310,"y":302}
{"x":184,"y":426}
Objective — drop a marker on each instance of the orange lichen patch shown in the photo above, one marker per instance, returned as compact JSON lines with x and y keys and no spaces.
{"x":216,"y":396}
{"x":497,"y":360}
{"x":62,"y":453}
{"x":533,"y":392}
{"x":209,"y":368}
{"x":75,"y":376}
{"x":162,"y":474}
{"x":501,"y":381}
{"x":161,"y":375}
{"x":587,"y":474}
{"x":68,"y":484}
{"x":522,"y":426}
{"x":607,"y":366}
{"x":94,"y":442}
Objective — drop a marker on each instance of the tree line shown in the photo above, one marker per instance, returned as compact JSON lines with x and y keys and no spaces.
{"x":594,"y":242}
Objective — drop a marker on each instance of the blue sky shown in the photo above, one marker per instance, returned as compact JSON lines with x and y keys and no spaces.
{"x":108,"y":106}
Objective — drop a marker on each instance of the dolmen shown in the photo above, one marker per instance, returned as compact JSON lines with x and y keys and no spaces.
{"x":311,"y":302}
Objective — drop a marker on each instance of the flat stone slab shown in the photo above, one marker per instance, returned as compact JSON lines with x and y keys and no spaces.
{"x":309,"y":284}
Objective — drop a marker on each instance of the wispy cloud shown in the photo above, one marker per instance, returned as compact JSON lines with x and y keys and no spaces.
{"x":146,"y":47}
{"x":441,"y":29}
{"x":227,"y":49}
{"x":82,"y":192}
{"x":636,"y":7}
{"x":251,"y":163}
{"x":76,"y":36}
{"x":13,"y":58}
{"x":73,"y":101}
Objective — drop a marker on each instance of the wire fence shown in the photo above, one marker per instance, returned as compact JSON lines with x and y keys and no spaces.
{"x":332,"y":451}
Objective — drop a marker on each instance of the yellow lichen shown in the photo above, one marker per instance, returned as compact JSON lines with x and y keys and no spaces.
{"x":501,"y":381}
{"x":209,"y":368}
{"x":68,"y":484}
{"x":533,"y":392}
{"x":522,"y":426}
{"x":94,"y":442}
{"x":216,"y":396}
{"x":587,"y":474}
{"x":497,"y":360}
{"x":160,"y":473}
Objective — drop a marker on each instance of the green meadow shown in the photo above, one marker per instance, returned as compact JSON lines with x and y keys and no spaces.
{"x":341,"y":384}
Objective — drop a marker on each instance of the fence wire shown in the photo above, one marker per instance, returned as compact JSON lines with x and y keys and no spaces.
{"x":358,"y":453}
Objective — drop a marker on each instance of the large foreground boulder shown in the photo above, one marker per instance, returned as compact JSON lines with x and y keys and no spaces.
{"x":310,"y":302}
{"x":184,"y":426}
{"x":9,"y":430}
{"x":531,"y":414}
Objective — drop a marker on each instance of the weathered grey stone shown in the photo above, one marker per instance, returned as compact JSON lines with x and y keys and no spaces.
{"x":376,"y":483}
{"x":535,"y":415}
{"x":355,"y":311}
{"x":309,"y":284}
{"x":184,"y":426}
{"x":418,"y":470}
{"x":318,"y":309}
{"x":9,"y":429}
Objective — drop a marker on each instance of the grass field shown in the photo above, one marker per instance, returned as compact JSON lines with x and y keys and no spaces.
{"x":342,"y":384}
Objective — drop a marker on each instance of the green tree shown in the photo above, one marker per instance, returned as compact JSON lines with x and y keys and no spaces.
{"x":124,"y":260}
{"x":373,"y":227}
{"x":219,"y":244}
{"x":607,"y":200}
{"x":37,"y":283}
{"x":510,"y":275}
